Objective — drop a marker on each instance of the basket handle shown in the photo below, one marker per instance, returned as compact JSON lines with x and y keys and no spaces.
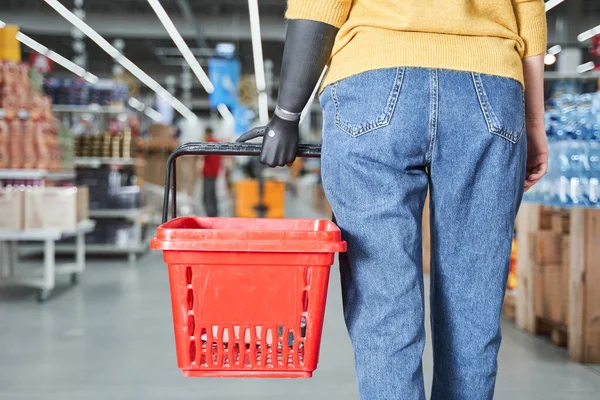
{"x":220,"y":149}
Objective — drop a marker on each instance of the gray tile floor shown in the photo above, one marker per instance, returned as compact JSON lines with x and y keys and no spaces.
{"x":111,"y":338}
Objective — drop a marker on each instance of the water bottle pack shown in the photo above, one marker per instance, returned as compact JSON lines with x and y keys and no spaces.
{"x":573,"y":177}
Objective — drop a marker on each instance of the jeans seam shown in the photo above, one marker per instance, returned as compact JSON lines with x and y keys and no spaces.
{"x":388,"y":111}
{"x":433,"y":112}
{"x":488,"y":113}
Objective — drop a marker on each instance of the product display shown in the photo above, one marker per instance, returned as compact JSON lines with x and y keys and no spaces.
{"x":63,"y":202}
{"x":79,"y":92}
{"x":573,"y":177}
{"x":28,"y":131}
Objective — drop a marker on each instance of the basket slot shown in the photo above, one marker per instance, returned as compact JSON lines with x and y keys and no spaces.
{"x":269,"y":347}
{"x":249,"y":360}
{"x":220,"y":345}
{"x":204,"y":348}
{"x":254,"y":348}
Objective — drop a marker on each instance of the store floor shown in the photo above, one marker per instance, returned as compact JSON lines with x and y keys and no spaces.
{"x":111,"y":338}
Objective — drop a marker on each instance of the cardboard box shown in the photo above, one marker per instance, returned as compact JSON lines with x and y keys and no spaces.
{"x":83,"y":203}
{"x":551,"y":287}
{"x":546,"y":247}
{"x":560,"y":222}
{"x":51,"y":208}
{"x":161,"y":131}
{"x":11,"y":209}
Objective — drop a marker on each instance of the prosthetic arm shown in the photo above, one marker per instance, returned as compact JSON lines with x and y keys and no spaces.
{"x":308,"y":45}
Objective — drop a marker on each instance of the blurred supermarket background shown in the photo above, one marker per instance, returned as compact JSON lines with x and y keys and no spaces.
{"x":94,"y":96}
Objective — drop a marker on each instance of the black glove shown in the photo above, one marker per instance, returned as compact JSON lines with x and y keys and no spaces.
{"x":280,"y":141}
{"x":308,"y":45}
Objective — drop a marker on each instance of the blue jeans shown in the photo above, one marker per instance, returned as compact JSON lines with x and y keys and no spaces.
{"x":389,"y":136}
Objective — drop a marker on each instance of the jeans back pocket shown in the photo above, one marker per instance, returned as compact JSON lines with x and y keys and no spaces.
{"x":502,"y":102}
{"x":366,"y":102}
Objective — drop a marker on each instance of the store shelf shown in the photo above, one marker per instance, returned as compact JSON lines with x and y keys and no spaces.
{"x":552,"y":75}
{"x":96,"y":162}
{"x":22,"y":114}
{"x":131,"y":214}
{"x":92,"y":108}
{"x":36,"y":174}
{"x":44,"y":234}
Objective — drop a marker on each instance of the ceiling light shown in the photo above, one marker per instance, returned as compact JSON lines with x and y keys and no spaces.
{"x":259,"y":64}
{"x":226,"y":114}
{"x":182,"y":45}
{"x":582,"y":37}
{"x":588,"y":66}
{"x":135,"y":103}
{"x":32,"y":44}
{"x":153,"y":114}
{"x":57,"y":58}
{"x":550,"y":4}
{"x":263,"y":107}
{"x":120,"y":58}
{"x":91,"y":78}
{"x":554,"y":50}
{"x":549,"y":59}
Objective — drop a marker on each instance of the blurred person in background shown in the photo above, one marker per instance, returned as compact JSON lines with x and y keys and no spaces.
{"x":210,"y":172}
{"x":445,"y":96}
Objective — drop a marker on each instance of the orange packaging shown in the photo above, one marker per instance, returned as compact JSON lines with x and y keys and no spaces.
{"x":15,"y":143}
{"x":23,"y":76}
{"x":22,"y":97}
{"x":43,"y":153}
{"x":10,"y":104}
{"x":35,"y":109}
{"x":10,"y":71}
{"x":29,"y":151}
{"x":4,"y":154}
{"x":46,"y":107}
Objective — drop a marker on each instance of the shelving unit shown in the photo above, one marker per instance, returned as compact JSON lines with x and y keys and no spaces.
{"x":96,"y":162}
{"x":9,"y":248}
{"x":36,"y":174}
{"x":132,"y":249}
{"x":91,"y":108}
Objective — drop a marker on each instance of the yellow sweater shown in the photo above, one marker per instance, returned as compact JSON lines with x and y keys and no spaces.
{"x":486,"y":36}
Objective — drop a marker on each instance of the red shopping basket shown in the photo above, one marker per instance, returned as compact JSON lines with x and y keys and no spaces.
{"x":248,"y":295}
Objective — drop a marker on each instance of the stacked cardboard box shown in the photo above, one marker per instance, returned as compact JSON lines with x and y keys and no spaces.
{"x":36,"y":208}
{"x":550,"y":256}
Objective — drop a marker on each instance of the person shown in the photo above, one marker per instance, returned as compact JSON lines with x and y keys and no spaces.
{"x":445,"y":96}
{"x":211,"y":170}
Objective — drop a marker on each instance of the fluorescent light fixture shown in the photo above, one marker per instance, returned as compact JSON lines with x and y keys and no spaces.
{"x":259,"y":68}
{"x":91,"y":78}
{"x":549,"y":59}
{"x":554,"y":50}
{"x":135,"y":103}
{"x":590,"y":33}
{"x":32,"y":44}
{"x":182,"y":45}
{"x":121,"y":59}
{"x":226,"y":114}
{"x":263,"y":107}
{"x":153,"y":114}
{"x":57,"y":58}
{"x":550,"y":4}
{"x":588,"y":66}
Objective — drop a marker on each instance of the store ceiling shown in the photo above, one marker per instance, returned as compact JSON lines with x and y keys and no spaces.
{"x":135,"y":23}
{"x":217,"y":21}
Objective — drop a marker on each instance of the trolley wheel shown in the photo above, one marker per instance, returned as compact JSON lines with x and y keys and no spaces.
{"x":74,"y":278}
{"x":42,"y":295}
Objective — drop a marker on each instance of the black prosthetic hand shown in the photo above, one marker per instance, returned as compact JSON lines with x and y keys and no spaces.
{"x":308,"y":46}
